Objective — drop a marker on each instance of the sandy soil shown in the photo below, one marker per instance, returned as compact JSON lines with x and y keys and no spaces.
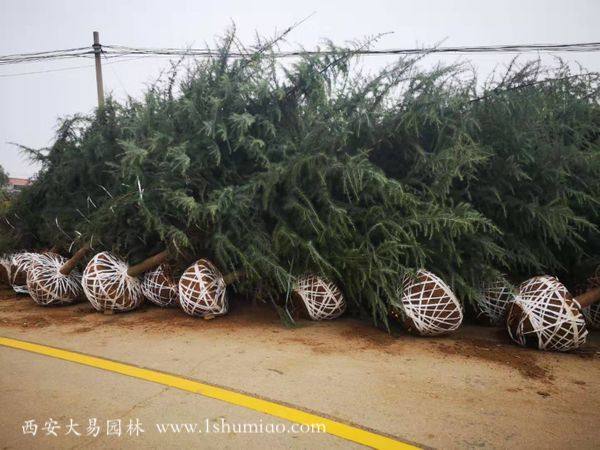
{"x":471,"y":389}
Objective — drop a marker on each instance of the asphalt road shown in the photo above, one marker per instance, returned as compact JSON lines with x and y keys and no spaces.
{"x":44,"y":389}
{"x":473,"y":389}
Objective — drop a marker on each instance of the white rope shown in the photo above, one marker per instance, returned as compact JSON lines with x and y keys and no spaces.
{"x":47,"y":286}
{"x":428,"y":305}
{"x":322,"y":298}
{"x":592,"y":312}
{"x":19,"y":265}
{"x":202,"y":290}
{"x":158,"y":287}
{"x":545,"y":313}
{"x":493,"y":300}
{"x":108,"y":287}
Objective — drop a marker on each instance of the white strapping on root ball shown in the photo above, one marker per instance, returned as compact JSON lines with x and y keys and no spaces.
{"x":546,"y":316}
{"x":159,"y":287}
{"x":493,"y":300}
{"x":427,"y":305}
{"x":48,"y":286}
{"x":322,"y":298}
{"x":202,"y":290}
{"x":107,"y":285}
{"x":19,"y":265}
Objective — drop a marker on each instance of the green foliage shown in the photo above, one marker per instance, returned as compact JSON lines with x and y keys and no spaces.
{"x":3,"y":177}
{"x":276,"y":171}
{"x":545,"y":164}
{"x":4,"y":204}
{"x":75,"y":177}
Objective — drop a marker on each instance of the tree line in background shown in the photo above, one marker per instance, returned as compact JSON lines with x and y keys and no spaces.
{"x":278,"y":170}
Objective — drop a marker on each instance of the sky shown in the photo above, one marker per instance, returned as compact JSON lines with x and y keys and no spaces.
{"x":31,"y":105}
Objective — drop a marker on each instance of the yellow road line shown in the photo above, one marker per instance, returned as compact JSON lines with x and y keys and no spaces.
{"x":333,"y":427}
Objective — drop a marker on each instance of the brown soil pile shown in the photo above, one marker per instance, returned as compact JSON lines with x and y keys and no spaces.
{"x":523,"y":360}
{"x":489,"y":345}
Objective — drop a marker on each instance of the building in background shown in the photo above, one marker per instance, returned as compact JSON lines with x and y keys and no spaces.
{"x":17,"y":184}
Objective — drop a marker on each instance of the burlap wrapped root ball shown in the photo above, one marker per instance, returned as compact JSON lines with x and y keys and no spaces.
{"x":19,"y":266}
{"x":48,"y":286}
{"x":591,"y":315}
{"x":202,"y":290}
{"x":107,"y":285}
{"x":427,"y":306}
{"x":493,"y":300}
{"x":545,"y":315}
{"x":5,"y":270}
{"x":320,"y":298}
{"x":592,"y":312}
{"x":159,"y":287}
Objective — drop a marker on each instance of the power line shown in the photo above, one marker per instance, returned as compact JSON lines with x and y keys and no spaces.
{"x":49,"y":52}
{"x":519,"y":48}
{"x":119,"y":51}
{"x":117,"y":76}
{"x":47,"y":55}
{"x":9,"y":75}
{"x":87,"y":66}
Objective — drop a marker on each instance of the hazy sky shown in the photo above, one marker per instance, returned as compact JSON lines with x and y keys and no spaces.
{"x":30,"y":105}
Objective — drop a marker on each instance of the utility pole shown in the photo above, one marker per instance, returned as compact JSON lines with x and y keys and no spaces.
{"x":98,"y":56}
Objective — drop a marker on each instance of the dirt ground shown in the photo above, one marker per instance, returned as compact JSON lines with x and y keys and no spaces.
{"x":471,"y":389}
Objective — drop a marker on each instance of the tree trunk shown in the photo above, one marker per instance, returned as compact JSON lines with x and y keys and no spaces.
{"x":148,"y":264}
{"x":589,"y":297}
{"x":72,"y":262}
